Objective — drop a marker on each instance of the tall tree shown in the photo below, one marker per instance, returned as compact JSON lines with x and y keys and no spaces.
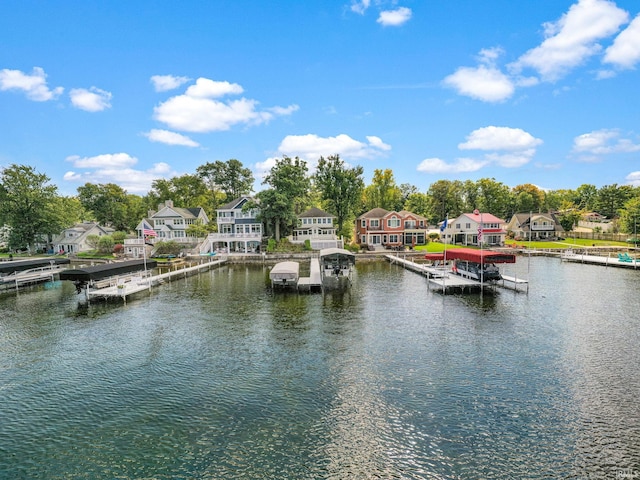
{"x":528,"y":198}
{"x":420,"y":204}
{"x":446,"y":199}
{"x":185,"y":191}
{"x":26,"y":201}
{"x":288,"y":195}
{"x":585,"y":196}
{"x":340,"y":189}
{"x":107,"y":202}
{"x":611,"y":198}
{"x":231,"y":178}
{"x":383,"y":191}
{"x":495,"y":197}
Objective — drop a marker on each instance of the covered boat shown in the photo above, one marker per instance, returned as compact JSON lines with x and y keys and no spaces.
{"x":82,"y":277}
{"x":285,"y":275}
{"x":336,"y":268}
{"x":11,"y":266}
{"x":478,"y":264}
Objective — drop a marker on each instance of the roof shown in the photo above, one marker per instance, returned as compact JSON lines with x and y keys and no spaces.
{"x":11,"y":266}
{"x":484,"y":217}
{"x":375,"y":213}
{"x":315,"y":212}
{"x":235,"y":203}
{"x":333,"y":254}
{"x":105,"y":270}
{"x":479,"y":256}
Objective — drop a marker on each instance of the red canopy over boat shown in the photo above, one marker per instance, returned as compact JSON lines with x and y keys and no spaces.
{"x":479,"y":256}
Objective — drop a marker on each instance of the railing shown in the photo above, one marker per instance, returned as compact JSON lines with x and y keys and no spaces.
{"x":216,"y":237}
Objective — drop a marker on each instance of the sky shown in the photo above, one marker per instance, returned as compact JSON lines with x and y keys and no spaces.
{"x":530,"y":91}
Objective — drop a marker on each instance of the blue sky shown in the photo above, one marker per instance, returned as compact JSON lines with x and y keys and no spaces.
{"x":531,"y":91}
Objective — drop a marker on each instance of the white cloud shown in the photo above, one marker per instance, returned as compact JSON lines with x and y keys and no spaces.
{"x":92,"y":100}
{"x":594,"y":144}
{"x":206,"y":88}
{"x":170,"y":138}
{"x":499,"y":138}
{"x":311,"y":147}
{"x":394,"y":18}
{"x":633,"y":179}
{"x":34,"y":86}
{"x":131,"y":180}
{"x":197,"y":111}
{"x":163,"y":83}
{"x":484,"y":83}
{"x":504,"y":146}
{"x":461,"y":165}
{"x":572,"y":39}
{"x":360,"y":6}
{"x":107,"y":160}
{"x":625,"y":51}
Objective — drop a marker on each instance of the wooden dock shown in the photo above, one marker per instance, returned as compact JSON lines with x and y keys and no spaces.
{"x":612,"y":260}
{"x":314,"y":281}
{"x":123,"y":287}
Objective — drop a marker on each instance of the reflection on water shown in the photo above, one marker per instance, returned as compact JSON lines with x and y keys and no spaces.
{"x":217,"y":376}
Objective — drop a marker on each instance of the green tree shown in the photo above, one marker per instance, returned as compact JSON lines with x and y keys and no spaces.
{"x":288,"y":195}
{"x":630,"y":216}
{"x":585,"y":197}
{"x":340,"y":188}
{"x":528,"y":198}
{"x":420,"y":204}
{"x":108,"y":203}
{"x":495,"y":197}
{"x":27,"y":202}
{"x":611,"y":198}
{"x":231,"y":178}
{"x":446,"y":199}
{"x":185,"y":191}
{"x":383,"y":192}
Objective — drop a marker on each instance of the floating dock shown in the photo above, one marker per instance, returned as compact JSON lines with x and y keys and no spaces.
{"x":312,"y":283}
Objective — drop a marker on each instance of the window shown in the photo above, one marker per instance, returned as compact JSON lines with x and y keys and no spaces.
{"x":178,"y":221}
{"x":374,"y":223}
{"x":363,"y":223}
{"x":467,"y":226}
{"x":393,"y":222}
{"x":158,"y":221}
{"x":393,"y":238}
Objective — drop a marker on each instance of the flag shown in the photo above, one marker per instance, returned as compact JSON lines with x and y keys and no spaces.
{"x":479,"y":226}
{"x":444,"y":224}
{"x":147,"y":232}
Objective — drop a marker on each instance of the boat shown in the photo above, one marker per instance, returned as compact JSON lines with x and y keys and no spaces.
{"x":336,"y":268}
{"x":285,"y":275}
{"x":478,"y":265}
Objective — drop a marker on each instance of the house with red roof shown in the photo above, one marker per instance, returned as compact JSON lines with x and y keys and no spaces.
{"x":476,"y":228}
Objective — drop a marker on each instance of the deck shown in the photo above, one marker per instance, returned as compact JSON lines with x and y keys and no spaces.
{"x":121,"y":288}
{"x":314,"y":281}
{"x":613,"y":260}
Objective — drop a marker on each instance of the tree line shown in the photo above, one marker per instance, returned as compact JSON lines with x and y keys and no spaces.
{"x":31,"y":207}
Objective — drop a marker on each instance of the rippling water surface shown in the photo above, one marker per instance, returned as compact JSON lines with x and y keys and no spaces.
{"x":216,"y":376}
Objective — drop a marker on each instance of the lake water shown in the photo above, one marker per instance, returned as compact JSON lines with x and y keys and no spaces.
{"x":217,"y":377}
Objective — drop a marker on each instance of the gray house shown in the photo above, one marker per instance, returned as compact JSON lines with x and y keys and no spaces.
{"x":535,"y":226}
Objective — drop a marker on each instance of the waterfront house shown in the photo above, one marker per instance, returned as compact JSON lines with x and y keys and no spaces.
{"x":477,"y":228}
{"x":170,"y":223}
{"x":75,"y":239}
{"x":318,"y":227}
{"x":239,"y":229}
{"x":390,"y":229}
{"x":535,"y":226}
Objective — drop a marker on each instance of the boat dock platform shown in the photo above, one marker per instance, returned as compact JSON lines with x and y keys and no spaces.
{"x":314,"y":281}
{"x":122,"y":287}
{"x":30,"y":277}
{"x":623,"y":260}
{"x":445,"y":281}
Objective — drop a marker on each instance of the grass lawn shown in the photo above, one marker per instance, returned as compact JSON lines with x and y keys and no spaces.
{"x":436,"y":247}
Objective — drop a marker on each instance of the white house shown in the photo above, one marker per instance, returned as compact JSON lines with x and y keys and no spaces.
{"x":318,"y":227}
{"x":477,"y":228}
{"x":74,"y":239}
{"x":239,"y":229}
{"x":170,"y":223}
{"x":535,"y":226}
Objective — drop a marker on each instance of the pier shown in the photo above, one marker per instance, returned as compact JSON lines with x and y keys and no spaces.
{"x":314,"y":281}
{"x":611,"y":260}
{"x":442,"y":279}
{"x":125,"y":286}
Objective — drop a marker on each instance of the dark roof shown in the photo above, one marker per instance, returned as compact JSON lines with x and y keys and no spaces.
{"x":374,"y":213}
{"x":21,"y":265}
{"x":105,"y":270}
{"x":315,"y":212}
{"x":236,"y":203}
